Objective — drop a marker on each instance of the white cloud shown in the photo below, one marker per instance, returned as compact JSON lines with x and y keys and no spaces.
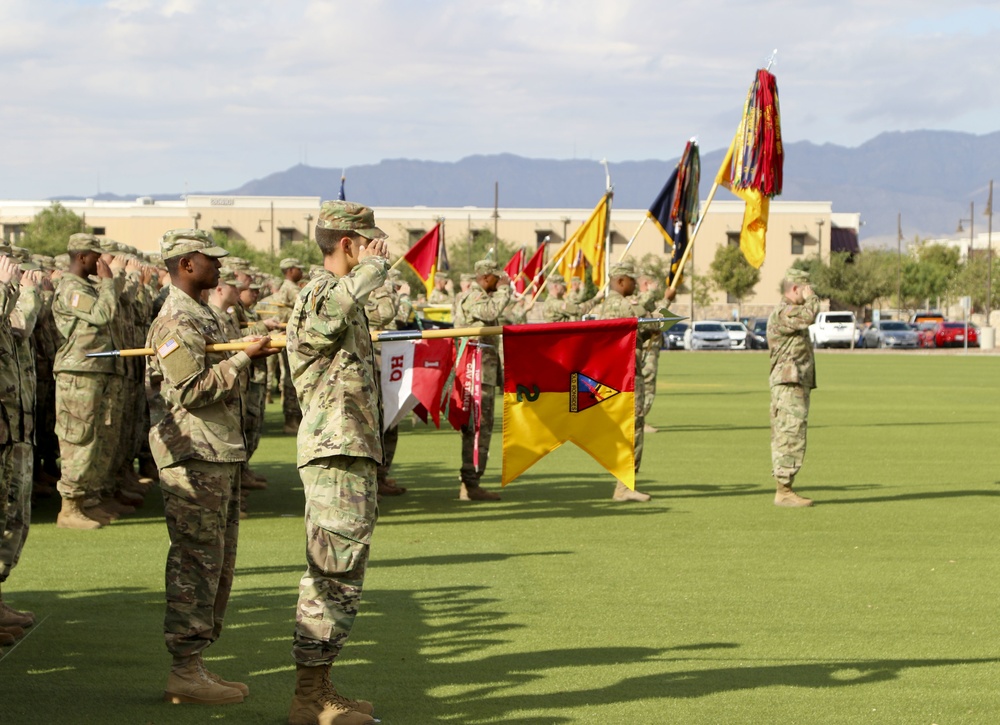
{"x":148,"y":95}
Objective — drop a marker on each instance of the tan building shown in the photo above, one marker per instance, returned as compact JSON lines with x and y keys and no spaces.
{"x":797,"y":230}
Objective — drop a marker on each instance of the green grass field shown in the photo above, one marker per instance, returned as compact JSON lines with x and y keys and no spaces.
{"x":556,"y":605}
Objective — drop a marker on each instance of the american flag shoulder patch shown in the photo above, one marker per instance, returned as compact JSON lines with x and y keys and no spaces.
{"x":166,"y":348}
{"x":74,"y":301}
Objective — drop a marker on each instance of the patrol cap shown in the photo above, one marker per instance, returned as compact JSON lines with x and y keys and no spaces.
{"x":83,"y":242}
{"x":178,"y":242}
{"x":556,"y":278}
{"x":23,"y":257}
{"x":622,"y":269}
{"x":238,"y":263}
{"x":110,"y":246}
{"x":227,"y":276}
{"x":487,"y":266}
{"x":5,"y":249}
{"x":290,"y":263}
{"x":440,"y":277}
{"x":797,"y":276}
{"x":348,"y":216}
{"x":467,"y":277}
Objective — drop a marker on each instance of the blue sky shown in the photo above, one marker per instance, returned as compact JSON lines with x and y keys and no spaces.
{"x":136,"y":96}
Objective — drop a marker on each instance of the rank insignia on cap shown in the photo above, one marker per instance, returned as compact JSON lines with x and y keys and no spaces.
{"x":166,"y":348}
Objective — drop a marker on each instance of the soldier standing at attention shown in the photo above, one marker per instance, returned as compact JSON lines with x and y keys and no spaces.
{"x":483,"y":306}
{"x":441,"y":295}
{"x":196,"y":436}
{"x":83,"y":314}
{"x":651,"y":301}
{"x":284,"y":300}
{"x":617,"y":304}
{"x":339,"y":449}
{"x":559,"y":309}
{"x":793,"y":376}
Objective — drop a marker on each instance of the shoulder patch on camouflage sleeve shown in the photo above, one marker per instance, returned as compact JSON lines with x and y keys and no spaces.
{"x":82,"y":302}
{"x":178,"y":363}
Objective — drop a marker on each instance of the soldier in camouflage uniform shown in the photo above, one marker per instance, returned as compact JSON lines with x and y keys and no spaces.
{"x":558,"y":308}
{"x":466,"y":284}
{"x":196,"y":436}
{"x":617,"y":304}
{"x":651,"y":301}
{"x":12,"y":432}
{"x":339,"y":449}
{"x":484,"y":305}
{"x":792,"y":378}
{"x":441,"y":295}
{"x":382,"y":309}
{"x":284,"y":300}
{"x":46,"y":342}
{"x":83,"y":313}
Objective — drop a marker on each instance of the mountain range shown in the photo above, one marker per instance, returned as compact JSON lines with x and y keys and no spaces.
{"x":929,"y":177}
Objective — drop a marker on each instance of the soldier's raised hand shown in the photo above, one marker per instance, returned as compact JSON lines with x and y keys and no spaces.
{"x":103,"y":270}
{"x":374,"y":248}
{"x":10,"y":271}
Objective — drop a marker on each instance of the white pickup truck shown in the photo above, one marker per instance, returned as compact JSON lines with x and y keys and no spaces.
{"x":833,"y":329}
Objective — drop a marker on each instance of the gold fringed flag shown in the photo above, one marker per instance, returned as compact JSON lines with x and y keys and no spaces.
{"x":570,"y":381}
{"x":753,"y":166}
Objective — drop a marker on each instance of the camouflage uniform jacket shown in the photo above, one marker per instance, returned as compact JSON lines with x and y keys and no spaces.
{"x":437,"y":297}
{"x":615,"y":306}
{"x":381,"y":309}
{"x":284,"y":299}
{"x":456,"y":309}
{"x":792,"y":359}
{"x":405,"y":314}
{"x":195,"y":397}
{"x":22,"y":321}
{"x":566,"y":310}
{"x":332,"y":362}
{"x":10,"y":401}
{"x":482,"y":308}
{"x":248,"y":322}
{"x":83,"y":314}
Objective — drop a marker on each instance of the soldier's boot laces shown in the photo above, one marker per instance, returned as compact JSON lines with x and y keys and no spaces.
{"x":785,"y":496}
{"x":317,"y":702}
{"x":624,"y":493}
{"x":225,"y":683}
{"x":189,"y":684}
{"x":10,"y":617}
{"x":72,"y":517}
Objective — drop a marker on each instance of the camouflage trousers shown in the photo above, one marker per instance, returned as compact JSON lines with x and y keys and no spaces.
{"x":390,"y":439}
{"x":789,"y":412}
{"x":85,"y":425}
{"x":471,"y":473}
{"x":201,"y":502}
{"x":650,"y":367}
{"x":289,"y":400}
{"x":15,"y":530}
{"x":126,"y":423}
{"x":253,"y":420}
{"x":340,"y":516}
{"x":6,"y":473}
{"x":640,"y":415}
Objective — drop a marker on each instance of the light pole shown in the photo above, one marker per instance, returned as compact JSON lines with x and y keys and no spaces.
{"x":989,"y":255}
{"x":899,"y":266}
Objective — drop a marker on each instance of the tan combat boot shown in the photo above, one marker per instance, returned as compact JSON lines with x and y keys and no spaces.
{"x":316,"y":700}
{"x":189,"y":684}
{"x":249,"y":482}
{"x":72,"y":516}
{"x":100,"y":514}
{"x":785,"y":496}
{"x":476,"y":493}
{"x":624,"y":493}
{"x":10,"y":617}
{"x":225,"y":683}
{"x":6,"y":640}
{"x":15,"y":632}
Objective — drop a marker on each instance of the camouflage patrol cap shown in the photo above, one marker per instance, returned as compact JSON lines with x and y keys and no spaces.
{"x":797,"y":276}
{"x":622,"y":269}
{"x":178,"y":242}
{"x":395,"y":274}
{"x":467,"y":277}
{"x":23,"y":257}
{"x":556,"y":278}
{"x":349,"y":217}
{"x":238,"y":263}
{"x":440,"y":277}
{"x":227,"y":276}
{"x":83,"y":242}
{"x":110,"y":246}
{"x":62,"y":261}
{"x":5,"y":249}
{"x":290,"y":263}
{"x":487,"y":266}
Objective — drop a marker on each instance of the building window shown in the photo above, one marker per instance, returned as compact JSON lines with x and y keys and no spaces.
{"x":733,"y":239}
{"x":12,"y":233}
{"x":99,"y":231}
{"x":542,"y":236}
{"x":413,"y":236}
{"x":798,"y":242}
{"x":285,"y":236}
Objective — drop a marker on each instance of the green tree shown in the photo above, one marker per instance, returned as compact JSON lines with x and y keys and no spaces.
{"x":928,"y":275}
{"x":856,"y":280}
{"x":463,"y":253}
{"x":970,"y":281}
{"x":51,"y":229}
{"x":731,"y":273}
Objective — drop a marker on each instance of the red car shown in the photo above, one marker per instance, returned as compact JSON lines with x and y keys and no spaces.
{"x":952,"y":334}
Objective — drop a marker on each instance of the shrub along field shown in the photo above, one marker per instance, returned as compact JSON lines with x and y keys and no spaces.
{"x":557,"y":605}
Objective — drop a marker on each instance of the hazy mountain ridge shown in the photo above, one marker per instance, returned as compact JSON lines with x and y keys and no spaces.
{"x":928,"y":176}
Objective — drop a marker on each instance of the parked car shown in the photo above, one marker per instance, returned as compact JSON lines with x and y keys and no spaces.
{"x":927,"y":316}
{"x":706,"y":335}
{"x":758,"y":334}
{"x":673,"y":339}
{"x":832,"y":329}
{"x":738,"y":335}
{"x":925,"y":333}
{"x":952,"y":334}
{"x":889,"y":333}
